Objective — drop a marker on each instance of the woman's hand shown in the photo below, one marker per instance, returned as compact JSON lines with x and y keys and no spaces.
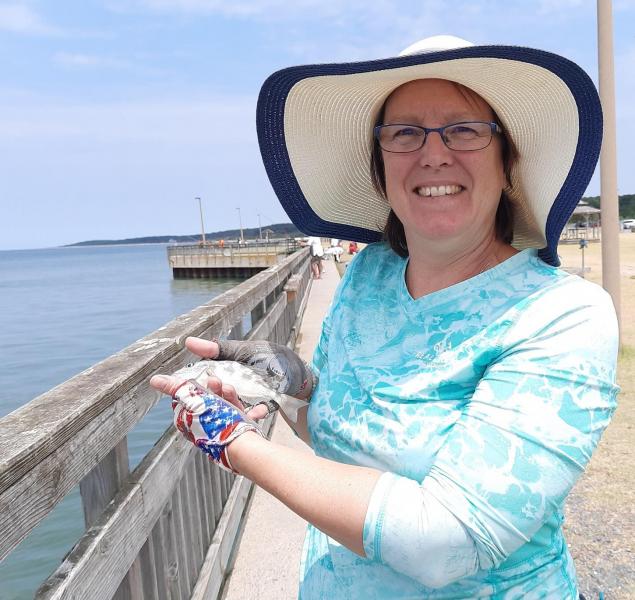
{"x":290,"y":371}
{"x":204,"y":417}
{"x":332,"y":496}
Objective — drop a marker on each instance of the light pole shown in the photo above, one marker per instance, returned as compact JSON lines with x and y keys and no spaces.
{"x":259,"y":228}
{"x":241,"y":225}
{"x":200,"y":208}
{"x":608,"y":168}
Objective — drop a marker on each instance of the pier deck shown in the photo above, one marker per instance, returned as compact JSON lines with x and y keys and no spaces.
{"x":268,"y":557}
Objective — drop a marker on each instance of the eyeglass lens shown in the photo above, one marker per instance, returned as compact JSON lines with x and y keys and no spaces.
{"x":457,"y":136}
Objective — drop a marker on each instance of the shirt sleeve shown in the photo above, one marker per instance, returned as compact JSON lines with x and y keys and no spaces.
{"x":512,"y":457}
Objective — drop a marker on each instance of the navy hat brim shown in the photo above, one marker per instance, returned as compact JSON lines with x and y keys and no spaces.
{"x":274,"y":145}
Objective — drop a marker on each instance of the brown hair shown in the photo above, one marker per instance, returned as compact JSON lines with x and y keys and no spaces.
{"x":394,"y":232}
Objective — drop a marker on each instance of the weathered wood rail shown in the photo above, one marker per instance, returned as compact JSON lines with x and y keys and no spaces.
{"x":166,"y":529}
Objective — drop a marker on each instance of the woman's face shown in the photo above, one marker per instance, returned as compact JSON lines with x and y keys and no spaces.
{"x":443,"y":195}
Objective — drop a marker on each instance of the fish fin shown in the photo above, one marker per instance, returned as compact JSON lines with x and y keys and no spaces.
{"x":290,"y":406}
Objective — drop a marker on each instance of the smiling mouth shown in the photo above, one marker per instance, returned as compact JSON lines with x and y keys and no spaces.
{"x":438,"y":190}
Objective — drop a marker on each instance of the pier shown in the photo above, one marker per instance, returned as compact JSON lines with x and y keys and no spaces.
{"x":177,"y":526}
{"x":168,"y":528}
{"x":234,"y":259}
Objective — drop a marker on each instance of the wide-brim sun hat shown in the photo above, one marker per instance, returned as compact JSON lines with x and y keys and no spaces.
{"x":315,"y":130}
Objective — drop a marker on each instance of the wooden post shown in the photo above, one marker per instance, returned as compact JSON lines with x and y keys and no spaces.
{"x":257,"y":313}
{"x":97,"y":489}
{"x":176,"y":575}
{"x":609,"y":203}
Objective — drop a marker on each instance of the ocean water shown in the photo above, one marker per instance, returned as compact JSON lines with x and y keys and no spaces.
{"x":61,"y":311}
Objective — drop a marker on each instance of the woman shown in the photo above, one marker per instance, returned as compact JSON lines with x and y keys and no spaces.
{"x":462,"y":380}
{"x":317,"y":254}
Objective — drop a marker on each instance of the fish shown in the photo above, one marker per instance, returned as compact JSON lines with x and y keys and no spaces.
{"x":252,"y":385}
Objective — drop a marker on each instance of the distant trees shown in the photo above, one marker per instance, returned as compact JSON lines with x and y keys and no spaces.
{"x":276,"y":230}
{"x":626,"y":203}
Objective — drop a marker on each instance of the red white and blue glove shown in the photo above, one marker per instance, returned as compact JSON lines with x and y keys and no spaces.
{"x":208,"y":421}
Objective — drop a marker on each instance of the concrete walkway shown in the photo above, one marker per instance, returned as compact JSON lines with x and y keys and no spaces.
{"x":268,"y":557}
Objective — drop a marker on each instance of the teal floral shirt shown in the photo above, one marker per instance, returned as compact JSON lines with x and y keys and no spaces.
{"x":482,"y":404}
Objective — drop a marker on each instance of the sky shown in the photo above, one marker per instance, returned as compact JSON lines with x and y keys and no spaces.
{"x":115,"y":115}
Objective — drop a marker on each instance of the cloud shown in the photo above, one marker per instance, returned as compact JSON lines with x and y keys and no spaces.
{"x":548,"y":7}
{"x":19,"y":18}
{"x":352,"y":29}
{"x":89,"y":61}
{"x":213,"y":6}
{"x":337,"y":11}
{"x":625,"y":86}
{"x":130,"y":168}
{"x":280,"y":8}
{"x":220,"y":120}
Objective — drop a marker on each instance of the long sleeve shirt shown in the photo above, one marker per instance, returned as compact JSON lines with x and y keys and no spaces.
{"x":482,"y":403}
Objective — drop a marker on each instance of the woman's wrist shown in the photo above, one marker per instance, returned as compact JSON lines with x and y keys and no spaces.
{"x":242,"y":451}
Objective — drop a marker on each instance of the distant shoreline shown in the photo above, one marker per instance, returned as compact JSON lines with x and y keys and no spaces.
{"x":108,"y":244}
{"x":275,"y":230}
{"x":83,"y":245}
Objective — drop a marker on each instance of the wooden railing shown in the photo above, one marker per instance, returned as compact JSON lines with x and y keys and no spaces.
{"x":166,"y":529}
{"x":273,"y":246}
{"x":231,"y":260}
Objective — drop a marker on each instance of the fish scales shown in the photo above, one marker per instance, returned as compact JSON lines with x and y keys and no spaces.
{"x":252,"y":385}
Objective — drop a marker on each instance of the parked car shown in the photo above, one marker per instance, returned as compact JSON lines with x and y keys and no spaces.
{"x":629,"y":224}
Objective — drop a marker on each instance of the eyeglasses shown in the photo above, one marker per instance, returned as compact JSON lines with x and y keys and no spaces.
{"x":469,"y":135}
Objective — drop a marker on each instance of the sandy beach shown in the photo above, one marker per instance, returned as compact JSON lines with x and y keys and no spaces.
{"x":600,"y":515}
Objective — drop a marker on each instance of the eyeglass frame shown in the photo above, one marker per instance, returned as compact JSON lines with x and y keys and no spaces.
{"x":495,"y":128}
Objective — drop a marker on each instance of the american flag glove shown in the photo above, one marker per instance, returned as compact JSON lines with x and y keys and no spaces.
{"x":208,"y":421}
